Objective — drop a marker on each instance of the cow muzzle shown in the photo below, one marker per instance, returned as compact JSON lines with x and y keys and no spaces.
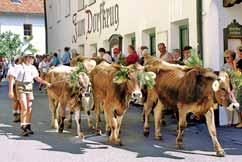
{"x":136,"y":96}
{"x":233,"y":106}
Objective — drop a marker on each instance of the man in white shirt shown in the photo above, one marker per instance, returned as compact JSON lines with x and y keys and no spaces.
{"x":43,"y":69}
{"x":105,"y":55}
{"x":163,"y":51}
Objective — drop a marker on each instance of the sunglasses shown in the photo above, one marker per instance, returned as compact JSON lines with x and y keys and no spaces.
{"x":30,"y":57}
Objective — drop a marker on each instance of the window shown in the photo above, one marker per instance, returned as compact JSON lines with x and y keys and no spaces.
{"x":133,"y":41}
{"x":82,"y":49}
{"x":58,"y":11}
{"x":152,"y":44}
{"x":91,"y":2}
{"x":27,"y":29}
{"x":184,"y":36}
{"x":80,"y":5}
{"x":67,"y":8}
{"x":81,"y":28}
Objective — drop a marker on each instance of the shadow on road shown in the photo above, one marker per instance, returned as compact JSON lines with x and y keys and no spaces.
{"x":196,"y":139}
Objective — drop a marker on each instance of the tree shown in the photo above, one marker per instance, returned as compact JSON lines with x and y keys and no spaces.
{"x":11,"y":45}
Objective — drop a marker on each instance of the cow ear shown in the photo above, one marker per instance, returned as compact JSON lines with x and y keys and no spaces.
{"x":215,"y":85}
{"x":152,"y":74}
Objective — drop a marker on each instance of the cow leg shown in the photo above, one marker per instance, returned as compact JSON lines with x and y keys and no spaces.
{"x":112,"y":122}
{"x":147,"y":109}
{"x":119,"y":122}
{"x":61,"y":118}
{"x":97,"y":114}
{"x":157,"y":119}
{"x":78,"y":124}
{"x":85,"y":105}
{"x":212,"y":131}
{"x":181,"y":127}
{"x":53,"y":108}
{"x":107,"y":127}
{"x":69,"y":120}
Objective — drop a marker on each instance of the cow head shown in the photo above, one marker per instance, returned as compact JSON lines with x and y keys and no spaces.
{"x":224,"y":92}
{"x":130,"y":77}
{"x":84,"y":84}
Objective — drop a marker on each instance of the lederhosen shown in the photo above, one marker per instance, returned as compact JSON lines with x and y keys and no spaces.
{"x":23,"y":87}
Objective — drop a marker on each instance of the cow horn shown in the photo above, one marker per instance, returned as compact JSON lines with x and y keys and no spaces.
{"x":115,"y":65}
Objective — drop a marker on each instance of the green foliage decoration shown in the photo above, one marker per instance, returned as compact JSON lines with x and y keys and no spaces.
{"x":194,"y":60}
{"x":236,"y":78}
{"x":147,"y":79}
{"x":121,"y":75}
{"x":74,"y":77}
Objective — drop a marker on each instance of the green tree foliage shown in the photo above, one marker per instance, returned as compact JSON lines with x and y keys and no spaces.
{"x":11,"y":45}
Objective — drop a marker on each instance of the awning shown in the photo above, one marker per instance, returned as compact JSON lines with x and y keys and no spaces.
{"x":230,"y":3}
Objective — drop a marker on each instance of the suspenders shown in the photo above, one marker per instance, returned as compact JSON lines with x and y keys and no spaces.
{"x":24,"y":73}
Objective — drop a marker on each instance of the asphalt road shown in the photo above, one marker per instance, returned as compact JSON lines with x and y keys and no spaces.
{"x":48,"y":146}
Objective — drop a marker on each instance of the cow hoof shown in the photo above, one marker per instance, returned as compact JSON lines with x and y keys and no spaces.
{"x":121,"y":144}
{"x":98,"y":132}
{"x":108,"y":132}
{"x":116,"y":142}
{"x":60,"y":130}
{"x":68,"y":125}
{"x":163,"y":123}
{"x":158,"y":138}
{"x":220,"y":153}
{"x":179,"y":147}
{"x":81,"y":136}
{"x":146,"y":133}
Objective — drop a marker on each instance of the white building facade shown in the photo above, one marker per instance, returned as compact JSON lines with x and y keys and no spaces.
{"x":87,"y":25}
{"x":25,"y":22}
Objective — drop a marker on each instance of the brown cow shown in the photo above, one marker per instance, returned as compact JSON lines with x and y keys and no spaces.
{"x":61,"y":92}
{"x":114,"y":94}
{"x":195,"y":90}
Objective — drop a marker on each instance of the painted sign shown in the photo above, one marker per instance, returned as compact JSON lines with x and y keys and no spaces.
{"x":96,"y":22}
{"x":234,"y":29}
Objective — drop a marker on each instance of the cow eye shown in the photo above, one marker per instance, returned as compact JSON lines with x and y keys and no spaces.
{"x":223,"y":89}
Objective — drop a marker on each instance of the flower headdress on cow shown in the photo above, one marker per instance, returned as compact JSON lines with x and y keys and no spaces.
{"x":145,"y":78}
{"x":74,"y":77}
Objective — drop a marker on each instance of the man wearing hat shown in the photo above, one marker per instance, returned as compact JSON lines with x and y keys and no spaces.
{"x":117,"y":56}
{"x":24,"y":75}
